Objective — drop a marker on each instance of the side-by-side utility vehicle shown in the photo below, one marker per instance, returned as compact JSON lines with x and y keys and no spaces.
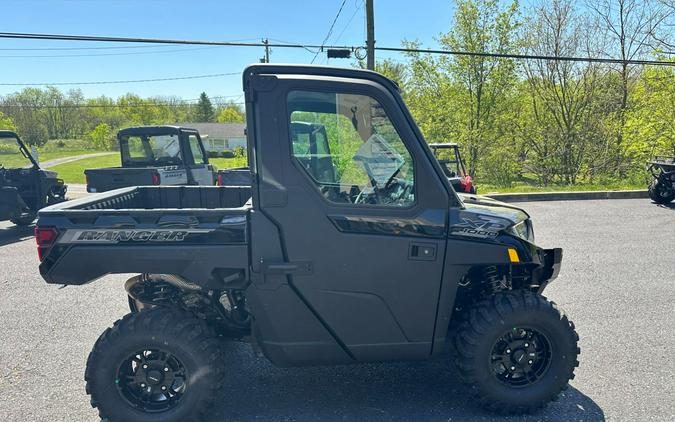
{"x":451,"y":162}
{"x":662,"y":188}
{"x":155,"y":155}
{"x":352,"y":250}
{"x":24,"y":186}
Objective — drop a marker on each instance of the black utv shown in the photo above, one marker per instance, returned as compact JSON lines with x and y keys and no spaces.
{"x":24,"y":186}
{"x":662,"y":188}
{"x":349,"y":246}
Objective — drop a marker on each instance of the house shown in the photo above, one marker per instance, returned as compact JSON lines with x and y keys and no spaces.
{"x":220,"y":136}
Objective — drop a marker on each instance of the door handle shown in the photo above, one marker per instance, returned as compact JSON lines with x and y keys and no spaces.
{"x":422,"y":251}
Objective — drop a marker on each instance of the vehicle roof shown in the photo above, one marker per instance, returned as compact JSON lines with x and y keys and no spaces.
{"x":154,"y":130}
{"x":8,"y":134}
{"x":443,"y":145}
{"x":295,"y":69}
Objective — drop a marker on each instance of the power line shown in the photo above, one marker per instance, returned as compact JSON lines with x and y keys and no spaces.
{"x":181,"y":103}
{"x":330,"y":30}
{"x":527,"y":56}
{"x":106,"y":54}
{"x":81,"y":48}
{"x":349,"y":22}
{"x":178,"y":78}
{"x":13,"y":35}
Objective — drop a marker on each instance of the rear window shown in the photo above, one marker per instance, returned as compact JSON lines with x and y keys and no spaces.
{"x":158,"y":150}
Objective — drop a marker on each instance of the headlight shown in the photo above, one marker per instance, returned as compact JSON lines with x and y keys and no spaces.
{"x":523,"y":230}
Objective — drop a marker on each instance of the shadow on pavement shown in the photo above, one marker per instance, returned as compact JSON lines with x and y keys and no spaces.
{"x":670,"y":205}
{"x":428,"y":391}
{"x":13,"y":234}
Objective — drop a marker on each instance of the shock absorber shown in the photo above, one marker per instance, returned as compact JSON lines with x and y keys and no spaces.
{"x":493,"y":281}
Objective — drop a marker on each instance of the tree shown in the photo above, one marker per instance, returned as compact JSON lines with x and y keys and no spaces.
{"x":6,"y":122}
{"x":230,"y":114}
{"x":561,"y":124}
{"x":460,"y":98}
{"x":205,"y":111}
{"x":101,"y":137}
{"x":35,"y":134}
{"x":631,"y":28}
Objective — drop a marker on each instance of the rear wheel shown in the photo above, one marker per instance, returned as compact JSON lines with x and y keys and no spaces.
{"x":25,"y":219}
{"x":660,"y":192}
{"x":155,"y":365}
{"x":517,"y":351}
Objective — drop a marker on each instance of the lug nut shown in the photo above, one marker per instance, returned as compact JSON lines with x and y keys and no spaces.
{"x":513,"y":368}
{"x":142,"y":385}
{"x":508,"y":350}
{"x":166,"y":369}
{"x":527,"y":345}
{"x":145,"y":366}
{"x":164,"y":388}
{"x":529,"y":362}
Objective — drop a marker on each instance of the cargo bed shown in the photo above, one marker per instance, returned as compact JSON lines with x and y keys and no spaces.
{"x":203,"y":228}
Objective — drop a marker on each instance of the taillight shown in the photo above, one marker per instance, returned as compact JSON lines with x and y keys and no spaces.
{"x":155,"y":178}
{"x":45,"y":238}
{"x":467,"y":184}
{"x":219,"y":180}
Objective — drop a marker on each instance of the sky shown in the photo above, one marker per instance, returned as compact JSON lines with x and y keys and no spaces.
{"x":294,"y":21}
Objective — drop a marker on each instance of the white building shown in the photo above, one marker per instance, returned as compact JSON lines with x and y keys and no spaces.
{"x":220,"y":136}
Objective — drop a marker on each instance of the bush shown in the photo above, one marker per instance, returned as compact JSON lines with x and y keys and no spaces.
{"x":8,"y":149}
{"x":101,"y":137}
{"x":239,"y":152}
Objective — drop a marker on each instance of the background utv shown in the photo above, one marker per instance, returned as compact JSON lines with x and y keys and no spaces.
{"x":351,"y":250}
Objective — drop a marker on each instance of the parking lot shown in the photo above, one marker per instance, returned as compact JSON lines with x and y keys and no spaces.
{"x":617,"y":284}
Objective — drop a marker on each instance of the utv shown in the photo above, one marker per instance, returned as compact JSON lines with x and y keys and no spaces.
{"x":25,"y":189}
{"x":662,"y":188}
{"x":155,"y":155}
{"x":451,"y":162}
{"x":353,"y":248}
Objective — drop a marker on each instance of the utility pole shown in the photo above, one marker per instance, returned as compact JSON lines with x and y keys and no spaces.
{"x":266,"y":59}
{"x":370,"y":33}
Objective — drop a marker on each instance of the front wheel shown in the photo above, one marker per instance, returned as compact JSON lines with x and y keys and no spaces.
{"x":517,"y":351}
{"x":660,"y":192}
{"x":155,"y":365}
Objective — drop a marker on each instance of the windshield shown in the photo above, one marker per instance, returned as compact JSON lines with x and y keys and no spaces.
{"x":11,"y":155}
{"x":448,"y":157}
{"x":145,"y":150}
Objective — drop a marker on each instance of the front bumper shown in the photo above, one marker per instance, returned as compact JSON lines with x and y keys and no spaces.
{"x":551,"y":260}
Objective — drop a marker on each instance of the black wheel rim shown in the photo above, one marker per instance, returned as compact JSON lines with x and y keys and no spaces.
{"x":521,"y":357}
{"x":152,"y":380}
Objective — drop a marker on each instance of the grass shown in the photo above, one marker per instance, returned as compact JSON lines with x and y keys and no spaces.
{"x":526,"y":188}
{"x":226,"y":163}
{"x":18,"y":160}
{"x":73,"y":172}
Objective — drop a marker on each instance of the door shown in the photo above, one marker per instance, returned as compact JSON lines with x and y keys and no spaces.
{"x":199,"y":168}
{"x":361,"y":212}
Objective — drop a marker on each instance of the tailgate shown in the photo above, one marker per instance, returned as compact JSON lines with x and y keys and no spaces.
{"x":101,"y":180}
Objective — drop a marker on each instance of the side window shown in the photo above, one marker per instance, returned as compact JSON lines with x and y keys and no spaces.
{"x":350,"y":149}
{"x":196,"y":150}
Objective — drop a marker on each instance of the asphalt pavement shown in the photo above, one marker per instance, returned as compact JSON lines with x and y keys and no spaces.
{"x":616,"y":283}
